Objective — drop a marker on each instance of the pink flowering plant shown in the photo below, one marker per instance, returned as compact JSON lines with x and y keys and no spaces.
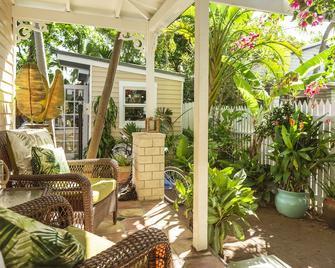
{"x":247,"y":41}
{"x":312,"y":12}
{"x":310,"y":78}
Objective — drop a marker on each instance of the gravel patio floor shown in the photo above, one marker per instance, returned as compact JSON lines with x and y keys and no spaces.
{"x":301,"y":243}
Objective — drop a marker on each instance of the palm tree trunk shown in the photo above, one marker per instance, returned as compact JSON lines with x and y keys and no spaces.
{"x":323,"y":45}
{"x":104,"y":100}
{"x":41,"y":61}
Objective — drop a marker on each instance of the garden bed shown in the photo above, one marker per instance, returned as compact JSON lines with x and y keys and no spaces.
{"x":298,"y":242}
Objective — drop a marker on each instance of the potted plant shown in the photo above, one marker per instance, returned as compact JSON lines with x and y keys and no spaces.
{"x":124,"y":167}
{"x":300,"y":148}
{"x":329,"y":202}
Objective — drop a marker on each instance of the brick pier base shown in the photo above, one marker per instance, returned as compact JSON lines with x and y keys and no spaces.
{"x":148,"y":165}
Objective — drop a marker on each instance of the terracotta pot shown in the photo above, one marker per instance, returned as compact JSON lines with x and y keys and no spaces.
{"x":124,"y":173}
{"x":329,"y":211}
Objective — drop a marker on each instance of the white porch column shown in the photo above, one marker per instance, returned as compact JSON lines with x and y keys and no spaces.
{"x":150,"y":47}
{"x":200,"y":195}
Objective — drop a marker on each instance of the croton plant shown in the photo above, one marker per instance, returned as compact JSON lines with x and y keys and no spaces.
{"x":312,"y":12}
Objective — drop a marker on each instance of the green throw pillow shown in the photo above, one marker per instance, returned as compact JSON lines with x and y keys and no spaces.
{"x":25,"y":242}
{"x":48,"y":160}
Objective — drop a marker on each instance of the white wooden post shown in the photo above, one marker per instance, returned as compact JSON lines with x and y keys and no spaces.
{"x":150,"y":47}
{"x":200,"y":195}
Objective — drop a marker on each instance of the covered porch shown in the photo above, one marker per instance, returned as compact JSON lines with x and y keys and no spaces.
{"x":138,"y":21}
{"x":141,"y":22}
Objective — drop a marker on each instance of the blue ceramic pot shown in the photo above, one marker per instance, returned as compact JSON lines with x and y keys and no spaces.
{"x":291,"y":204}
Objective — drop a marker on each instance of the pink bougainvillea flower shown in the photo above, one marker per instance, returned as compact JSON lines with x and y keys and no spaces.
{"x":247,"y":41}
{"x":304,"y":14}
{"x":253,"y":35}
{"x":309,"y":2}
{"x":303,"y":24}
{"x":295,"y":5}
{"x":315,"y":23}
{"x":313,"y":89}
{"x":320,"y":18}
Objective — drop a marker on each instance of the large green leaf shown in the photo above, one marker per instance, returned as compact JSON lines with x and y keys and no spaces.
{"x":246,"y":92}
{"x":238,"y":231}
{"x":304,"y":69}
{"x":182,"y":147}
{"x":286,"y":138}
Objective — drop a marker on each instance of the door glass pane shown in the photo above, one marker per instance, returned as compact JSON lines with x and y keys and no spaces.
{"x":69,"y":95}
{"x":135,"y":96}
{"x":134,"y":114}
{"x":69,"y":121}
{"x":79,"y":95}
{"x":69,"y":107}
{"x":59,"y":122}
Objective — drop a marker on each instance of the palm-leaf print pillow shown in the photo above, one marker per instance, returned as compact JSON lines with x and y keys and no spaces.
{"x":48,"y":160}
{"x":21,"y":142}
{"x":25,"y":242}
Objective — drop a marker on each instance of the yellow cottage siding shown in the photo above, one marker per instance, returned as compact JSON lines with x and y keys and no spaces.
{"x":169,"y":92}
{"x":7,"y":67}
{"x":170,"y":95}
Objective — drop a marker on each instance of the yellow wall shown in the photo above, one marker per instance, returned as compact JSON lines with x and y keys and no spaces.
{"x":169,"y":92}
{"x":6,"y":66}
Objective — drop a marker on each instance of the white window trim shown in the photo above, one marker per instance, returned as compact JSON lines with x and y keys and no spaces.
{"x":122,"y":86}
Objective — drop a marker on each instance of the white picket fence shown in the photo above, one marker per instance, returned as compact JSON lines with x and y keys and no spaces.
{"x":245,"y":127}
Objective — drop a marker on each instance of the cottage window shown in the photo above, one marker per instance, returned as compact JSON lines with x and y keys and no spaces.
{"x":132,"y":100}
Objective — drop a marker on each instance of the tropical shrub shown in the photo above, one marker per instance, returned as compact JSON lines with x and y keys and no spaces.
{"x":230,"y":203}
{"x":127,"y":134}
{"x":107,"y":141}
{"x":299,"y":151}
{"x":259,"y":177}
{"x":277,"y":116}
{"x":165,"y":117}
{"x":183,"y":153}
{"x":227,"y":147}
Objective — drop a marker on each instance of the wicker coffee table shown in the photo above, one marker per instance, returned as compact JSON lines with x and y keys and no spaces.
{"x":11,"y":197}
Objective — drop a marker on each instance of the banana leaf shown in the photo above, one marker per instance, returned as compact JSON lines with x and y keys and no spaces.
{"x":34,"y":98}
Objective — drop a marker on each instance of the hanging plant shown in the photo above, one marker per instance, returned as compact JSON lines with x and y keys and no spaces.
{"x":312,"y":12}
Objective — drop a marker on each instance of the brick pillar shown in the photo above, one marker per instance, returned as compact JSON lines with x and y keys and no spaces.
{"x":148,"y":165}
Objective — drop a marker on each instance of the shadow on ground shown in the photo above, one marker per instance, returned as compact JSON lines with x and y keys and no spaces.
{"x":301,"y":243}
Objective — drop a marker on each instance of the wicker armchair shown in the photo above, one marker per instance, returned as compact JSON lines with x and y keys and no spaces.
{"x":146,"y":248}
{"x":75,"y":186}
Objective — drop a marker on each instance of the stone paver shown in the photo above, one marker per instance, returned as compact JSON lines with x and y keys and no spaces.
{"x":135,"y":215}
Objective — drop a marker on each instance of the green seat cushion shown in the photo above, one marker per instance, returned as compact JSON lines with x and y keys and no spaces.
{"x":91,"y":243}
{"x":48,"y":160}
{"x":25,"y":242}
{"x":102,"y":187}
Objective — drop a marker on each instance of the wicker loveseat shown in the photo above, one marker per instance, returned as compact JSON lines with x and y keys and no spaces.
{"x":75,"y":186}
{"x":146,"y":248}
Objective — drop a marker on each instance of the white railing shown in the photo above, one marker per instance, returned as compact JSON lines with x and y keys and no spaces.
{"x":245,"y":127}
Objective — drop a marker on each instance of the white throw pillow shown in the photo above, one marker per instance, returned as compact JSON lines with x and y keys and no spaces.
{"x":21,"y":142}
